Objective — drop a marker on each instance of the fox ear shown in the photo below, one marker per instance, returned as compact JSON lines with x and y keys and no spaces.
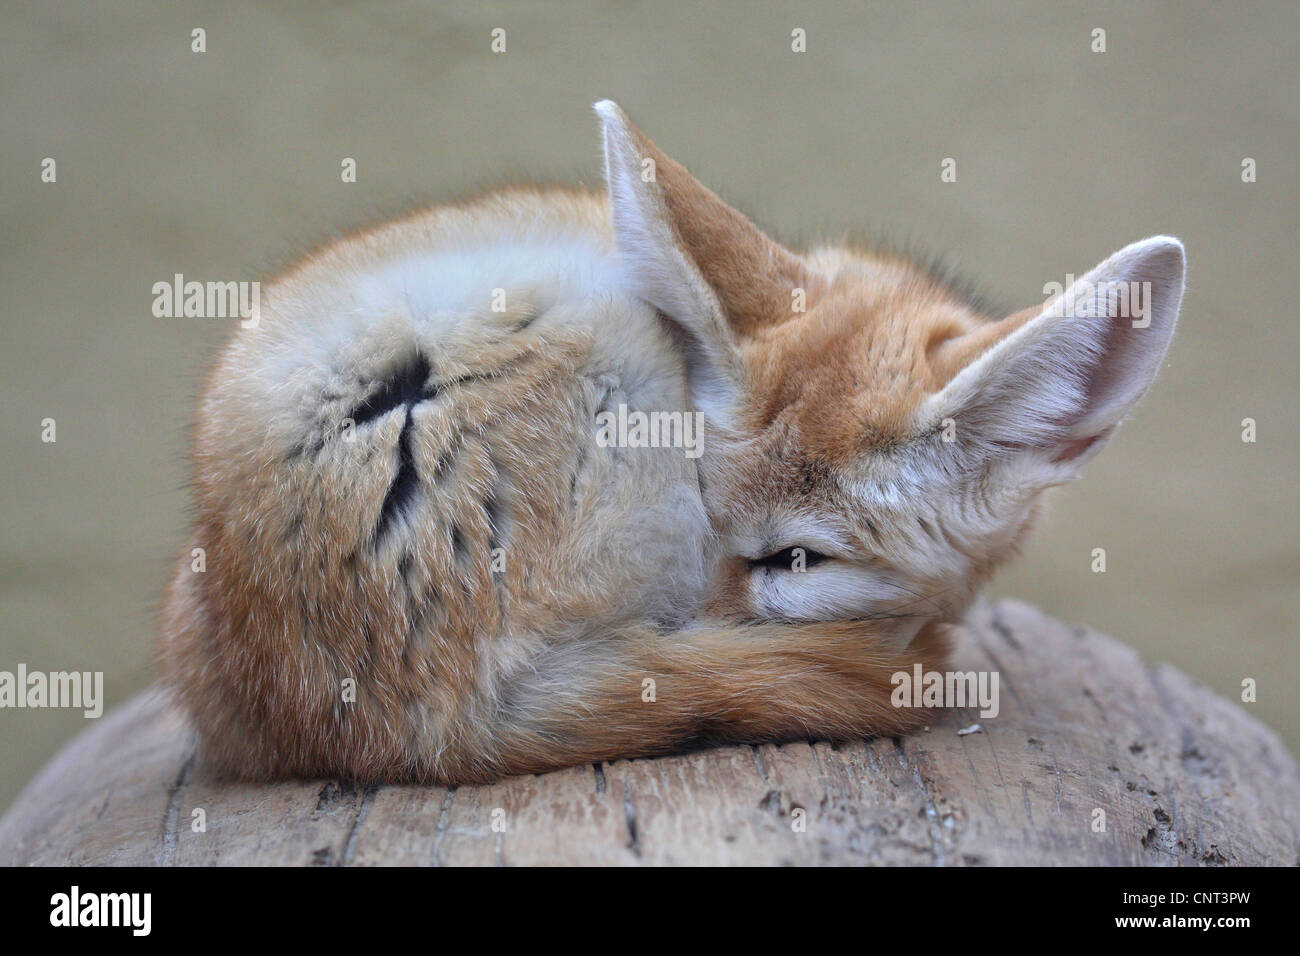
{"x":689,"y":254}
{"x":1061,"y":379}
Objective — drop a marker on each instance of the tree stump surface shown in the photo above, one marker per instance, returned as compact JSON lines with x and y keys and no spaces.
{"x":1183,"y":776}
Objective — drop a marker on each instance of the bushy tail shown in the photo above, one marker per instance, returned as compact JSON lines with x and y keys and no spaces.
{"x":642,"y":693}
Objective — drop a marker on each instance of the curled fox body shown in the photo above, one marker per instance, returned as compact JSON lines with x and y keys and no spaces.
{"x":422,"y":565}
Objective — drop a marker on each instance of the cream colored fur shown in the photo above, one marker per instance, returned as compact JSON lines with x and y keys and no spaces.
{"x":399,"y":491}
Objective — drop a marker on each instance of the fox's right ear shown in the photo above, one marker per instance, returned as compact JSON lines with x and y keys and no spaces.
{"x":691,"y":256}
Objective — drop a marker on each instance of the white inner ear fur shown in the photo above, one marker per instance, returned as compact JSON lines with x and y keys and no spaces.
{"x":656,"y":269}
{"x":1062,"y":382}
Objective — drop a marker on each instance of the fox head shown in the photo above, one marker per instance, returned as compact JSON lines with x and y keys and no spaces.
{"x":875,"y":445}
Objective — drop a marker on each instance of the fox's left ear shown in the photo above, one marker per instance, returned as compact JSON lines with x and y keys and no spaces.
{"x":1058,"y":382}
{"x":692,"y":256}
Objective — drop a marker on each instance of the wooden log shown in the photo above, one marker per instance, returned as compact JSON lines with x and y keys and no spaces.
{"x":1183,"y":776}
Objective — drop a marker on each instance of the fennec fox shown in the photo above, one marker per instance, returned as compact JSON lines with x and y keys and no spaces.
{"x":423,"y":562}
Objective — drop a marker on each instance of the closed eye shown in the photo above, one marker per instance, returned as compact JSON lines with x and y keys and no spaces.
{"x":785,"y":559}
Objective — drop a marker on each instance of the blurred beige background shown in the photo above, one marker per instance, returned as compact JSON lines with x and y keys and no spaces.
{"x":225,"y":164}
